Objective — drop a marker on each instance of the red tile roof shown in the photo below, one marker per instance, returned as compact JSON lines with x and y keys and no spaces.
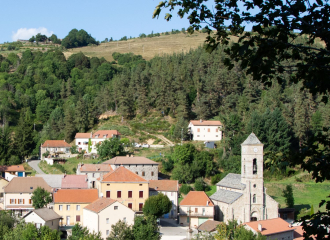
{"x":13,"y":168}
{"x":270,"y":226}
{"x":122,"y":174}
{"x":108,"y":133}
{"x":298,"y":233}
{"x":164,"y":185}
{"x":75,"y":181}
{"x":100,"y":204}
{"x":96,"y":168}
{"x":196,"y":198}
{"x":205,"y":123}
{"x":55,"y":143}
{"x":75,"y":195}
{"x":83,"y":135}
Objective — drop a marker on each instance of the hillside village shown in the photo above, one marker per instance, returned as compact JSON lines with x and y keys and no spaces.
{"x":100,"y":195}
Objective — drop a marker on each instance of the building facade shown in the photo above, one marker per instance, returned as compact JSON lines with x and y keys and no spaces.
{"x":43,"y":217}
{"x":201,"y":130}
{"x":55,"y":148}
{"x":9,"y":172}
{"x":93,"y":172}
{"x":243,"y":196}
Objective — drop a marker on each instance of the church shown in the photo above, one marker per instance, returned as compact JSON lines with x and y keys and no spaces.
{"x":243,"y":196}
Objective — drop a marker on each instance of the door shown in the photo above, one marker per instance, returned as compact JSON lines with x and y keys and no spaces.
{"x":202,"y":220}
{"x":67,"y":221}
{"x":20,"y":174}
{"x":167,"y":215}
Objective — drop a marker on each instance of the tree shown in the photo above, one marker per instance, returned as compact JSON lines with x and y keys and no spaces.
{"x":82,"y":233}
{"x":24,"y":134}
{"x":157,"y":205}
{"x":40,"y":198}
{"x":40,"y":37}
{"x":109,"y":148}
{"x":288,"y":195}
{"x":121,"y":231}
{"x":32,"y":39}
{"x":146,"y":228}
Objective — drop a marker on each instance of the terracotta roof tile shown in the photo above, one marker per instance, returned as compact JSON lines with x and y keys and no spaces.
{"x":270,"y":226}
{"x":13,"y":168}
{"x":196,"y":198}
{"x":206,"y":123}
{"x":107,"y":133}
{"x":122,"y":174}
{"x":55,"y":143}
{"x":298,"y":233}
{"x":96,"y":168}
{"x":129,"y":160}
{"x":100,"y":204}
{"x":75,"y":195}
{"x":74,"y":181}
{"x":208,"y":226}
{"x":83,"y":135}
{"x":164,"y":185}
{"x":26,"y":185}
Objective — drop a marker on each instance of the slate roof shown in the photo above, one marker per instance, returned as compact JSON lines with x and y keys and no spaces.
{"x":45,"y":213}
{"x":121,"y":160}
{"x":13,"y":168}
{"x":164,"y":185}
{"x":196,"y":198}
{"x":208,"y":226}
{"x":251,"y":140}
{"x":26,"y":185}
{"x":226,"y":196}
{"x":75,"y":195}
{"x":96,"y":168}
{"x":232,"y":180}
{"x":100,"y":204}
{"x":75,"y":181}
{"x":55,"y":143}
{"x":122,"y":174}
{"x":205,"y":123}
{"x":53,"y":180}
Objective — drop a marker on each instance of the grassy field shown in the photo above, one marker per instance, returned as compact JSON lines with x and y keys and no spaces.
{"x":29,"y":171}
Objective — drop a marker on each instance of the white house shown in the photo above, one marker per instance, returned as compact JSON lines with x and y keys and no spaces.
{"x":43,"y":217}
{"x":104,"y":212}
{"x":201,"y":130}
{"x":9,"y":172}
{"x":169,"y":188}
{"x":82,"y":139}
{"x":55,"y":148}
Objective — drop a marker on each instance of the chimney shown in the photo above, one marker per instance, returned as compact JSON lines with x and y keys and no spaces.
{"x":259,"y":227}
{"x":64,"y":140}
{"x":200,"y":120}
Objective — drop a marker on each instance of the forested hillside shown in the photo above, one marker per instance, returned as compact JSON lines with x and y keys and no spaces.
{"x":62,"y":97}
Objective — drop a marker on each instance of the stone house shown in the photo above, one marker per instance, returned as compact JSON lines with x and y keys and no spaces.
{"x":243,"y":196}
{"x":93,"y":172}
{"x":69,"y":204}
{"x":55,"y":148}
{"x":195,"y":209}
{"x":201,"y":130}
{"x":101,"y":214}
{"x":169,"y":188}
{"x":141,"y":166}
{"x":43,"y":217}
{"x":124,"y":186}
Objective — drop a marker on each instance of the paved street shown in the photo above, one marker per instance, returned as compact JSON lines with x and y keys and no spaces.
{"x":171,"y":231}
{"x":34,"y":165}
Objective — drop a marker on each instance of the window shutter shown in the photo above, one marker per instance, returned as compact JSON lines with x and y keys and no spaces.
{"x":30,"y":201}
{"x":108,"y":194}
{"x":15,"y":201}
{"x":23,"y":201}
{"x":141,"y":194}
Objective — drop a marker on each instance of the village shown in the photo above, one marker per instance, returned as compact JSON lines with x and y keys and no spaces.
{"x":100,"y":195}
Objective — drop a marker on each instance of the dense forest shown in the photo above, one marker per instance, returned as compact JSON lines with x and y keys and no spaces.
{"x":44,"y":96}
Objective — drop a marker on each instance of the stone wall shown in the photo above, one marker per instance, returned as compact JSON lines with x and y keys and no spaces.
{"x":147,"y":171}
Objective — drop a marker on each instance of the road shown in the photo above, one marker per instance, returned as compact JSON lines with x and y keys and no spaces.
{"x":170,"y":230}
{"x":34,"y":165}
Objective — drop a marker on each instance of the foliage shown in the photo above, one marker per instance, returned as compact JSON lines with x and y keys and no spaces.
{"x":288,"y":194}
{"x":46,"y":154}
{"x":146,"y":228}
{"x":157,"y":205}
{"x":40,"y":198}
{"x":59,"y":167}
{"x":185,"y":189}
{"x":74,"y":149}
{"x":216,"y":178}
{"x":89,"y":145}
{"x":82,"y":233}
{"x":180,"y":130}
{"x":121,"y":231}
{"x":200,"y":185}
{"x":110,"y":148}
{"x":168,"y":164}
{"x":77,"y":38}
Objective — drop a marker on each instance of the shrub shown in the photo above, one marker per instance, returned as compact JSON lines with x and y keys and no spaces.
{"x":200,"y":185}
{"x":216,"y":178}
{"x":185,"y":189}
{"x":59,"y":167}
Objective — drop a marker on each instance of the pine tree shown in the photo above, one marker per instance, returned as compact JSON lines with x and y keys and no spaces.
{"x":69,"y":129}
{"x":81,"y":121}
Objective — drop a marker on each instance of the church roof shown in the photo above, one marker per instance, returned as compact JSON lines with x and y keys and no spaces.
{"x":251,"y":140}
{"x":232,"y":180}
{"x":226,"y":196}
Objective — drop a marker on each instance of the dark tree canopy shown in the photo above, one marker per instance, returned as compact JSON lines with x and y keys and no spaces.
{"x":77,"y":38}
{"x":40,"y":198}
{"x":157,"y":205}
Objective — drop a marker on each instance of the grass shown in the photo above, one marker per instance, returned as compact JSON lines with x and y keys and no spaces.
{"x":29,"y":170}
{"x":48,"y":169}
{"x":212,"y":190}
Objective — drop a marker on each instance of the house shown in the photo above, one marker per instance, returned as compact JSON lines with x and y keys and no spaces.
{"x":195,"y":209}
{"x":201,"y":130}
{"x":43,"y":217}
{"x":101,"y":214}
{"x":275,"y":228}
{"x":287,"y":214}
{"x":55,"y":148}
{"x":3,"y":183}
{"x":53,"y":180}
{"x":74,"y":182}
{"x":18,"y":192}
{"x":243,"y":196}
{"x":208,"y":226}
{"x":93,"y":172}
{"x":170,"y":188}
{"x":142,"y":166}
{"x":82,"y":139}
{"x":69,"y":204}
{"x":124,"y":186}
{"x":9,"y":172}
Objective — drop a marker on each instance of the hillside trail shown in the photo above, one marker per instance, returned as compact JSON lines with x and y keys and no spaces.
{"x":165,"y":140}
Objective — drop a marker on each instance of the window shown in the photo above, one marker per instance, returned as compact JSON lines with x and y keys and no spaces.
{"x":188,"y":219}
{"x":143,"y":174}
{"x":136,"y":173}
{"x":107,"y":194}
{"x":68,"y":207}
{"x":203,"y":211}
{"x":152,"y":173}
{"x":115,"y":207}
{"x":108,"y":232}
{"x":124,"y":219}
{"x":197,"y":135}
{"x":255,"y":166}
{"x":196,"y":210}
{"x":77,"y":218}
{"x":216,"y":135}
{"x":93,"y":174}
{"x":140,"y":207}
{"x":60,"y":207}
{"x":140,"y":185}
{"x":140,"y":194}
{"x":254,"y":185}
{"x":79,"y":143}
{"x":216,"y":130}
{"x":107,"y":220}
{"x":78,"y":207}
{"x":30,"y":201}
{"x":12,"y":201}
{"x":130,"y":193}
{"x":67,"y":220}
{"x":108,"y":184}
{"x":130,"y":205}
{"x":208,"y":130}
{"x":254,"y":198}
{"x":118,"y":194}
